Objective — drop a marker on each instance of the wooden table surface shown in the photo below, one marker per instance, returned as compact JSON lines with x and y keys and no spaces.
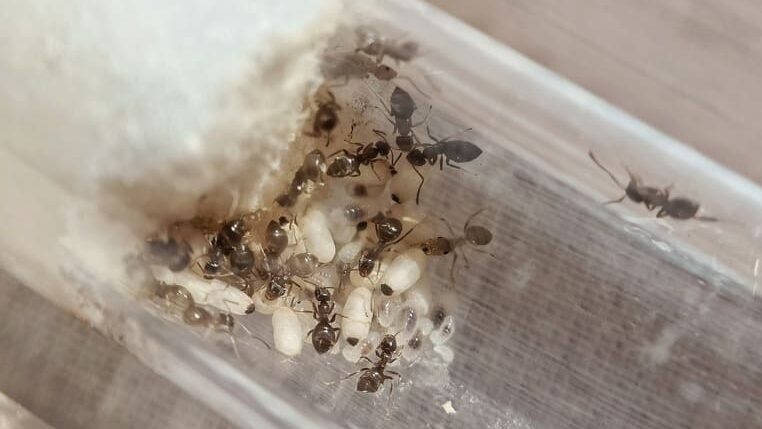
{"x":690,"y":68}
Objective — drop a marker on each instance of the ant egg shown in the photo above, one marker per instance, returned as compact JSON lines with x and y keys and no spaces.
{"x":317,"y":235}
{"x":287,"y":332}
{"x":357,"y":315}
{"x":446,"y":353}
{"x":443,"y":332}
{"x":404,"y":270}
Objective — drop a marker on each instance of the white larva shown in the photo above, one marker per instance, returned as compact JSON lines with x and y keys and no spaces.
{"x":446,"y":353}
{"x":357,"y":315}
{"x":425,"y":326}
{"x":387,"y":309}
{"x":404,"y":270}
{"x":287,"y":331}
{"x":214,"y":293}
{"x":317,"y":235}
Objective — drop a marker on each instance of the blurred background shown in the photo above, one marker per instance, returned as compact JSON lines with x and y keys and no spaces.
{"x":690,"y":68}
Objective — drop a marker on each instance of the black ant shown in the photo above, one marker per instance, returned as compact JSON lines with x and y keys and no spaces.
{"x":311,"y":170}
{"x":326,"y":118}
{"x":474,"y":235}
{"x":174,"y":254}
{"x":348,"y":164}
{"x":445,"y":151}
{"x":371,"y":43}
{"x":677,"y":208}
{"x":388,"y":230}
{"x":402,"y":107}
{"x":372,"y":378}
{"x":324,"y":335}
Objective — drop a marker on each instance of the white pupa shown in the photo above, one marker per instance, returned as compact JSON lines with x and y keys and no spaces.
{"x":404,"y":270}
{"x":287,"y":331}
{"x":317,"y":235}
{"x":357,"y":314}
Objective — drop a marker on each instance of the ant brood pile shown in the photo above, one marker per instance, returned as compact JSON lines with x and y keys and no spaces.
{"x":339,"y":259}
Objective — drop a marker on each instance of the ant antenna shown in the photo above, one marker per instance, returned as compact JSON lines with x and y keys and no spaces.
{"x":595,"y":160}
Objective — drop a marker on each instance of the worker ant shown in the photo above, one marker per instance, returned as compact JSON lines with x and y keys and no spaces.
{"x":475,"y":235}
{"x":388,"y":230}
{"x":311,"y":171}
{"x":677,"y":208}
{"x":445,"y":150}
{"x":348,"y":164}
{"x":326,"y":118}
{"x":373,"y":377}
{"x":400,"y":114}
{"x":324,"y":335}
{"x":373,"y":44}
{"x":172,"y":253}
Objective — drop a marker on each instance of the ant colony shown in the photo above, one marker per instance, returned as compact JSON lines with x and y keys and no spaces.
{"x":338,"y":260}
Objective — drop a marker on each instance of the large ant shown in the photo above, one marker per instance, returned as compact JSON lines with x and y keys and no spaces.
{"x":388,"y":230}
{"x":324,"y":335}
{"x":311,"y":170}
{"x":402,"y":107}
{"x":348,"y":164}
{"x":445,"y":151}
{"x":372,"y":378}
{"x":172,"y":253}
{"x":371,"y":43}
{"x":677,"y":208}
{"x":475,"y":235}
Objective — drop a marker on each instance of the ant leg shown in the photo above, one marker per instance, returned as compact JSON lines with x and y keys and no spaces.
{"x":452,"y":268}
{"x":418,"y":192}
{"x":428,"y":131}
{"x":470,"y":218}
{"x":410,"y":81}
{"x":598,"y":163}
{"x":366,"y":358}
{"x":425,"y":118}
{"x":344,"y":151}
{"x":373,"y":169}
{"x":329,"y":383}
{"x":328,"y":140}
{"x":251,"y":334}
{"x":706,"y":218}
{"x":618,"y":200}
{"x":450,"y":164}
{"x":449,"y":227}
{"x":662,"y":213}
{"x":456,"y":134}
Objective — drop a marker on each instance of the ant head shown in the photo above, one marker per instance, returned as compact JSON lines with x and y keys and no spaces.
{"x":383,"y":148}
{"x":326,"y":118}
{"x":404,"y":142}
{"x":275,"y":289}
{"x":362,"y":226}
{"x":388,"y":344}
{"x":322,"y":294}
{"x":388,"y":229}
{"x":366,"y":264}
{"x":250,"y":309}
{"x":416,"y":157}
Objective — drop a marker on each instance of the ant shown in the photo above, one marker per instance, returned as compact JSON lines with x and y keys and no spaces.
{"x":445,"y":151}
{"x":388,"y":230}
{"x":401,"y":109}
{"x":355,"y":65}
{"x":326,"y":118}
{"x":371,"y":43}
{"x":372,"y":378}
{"x":348,"y":164}
{"x":324,"y":335}
{"x":475,"y":235}
{"x":174,"y":254}
{"x":677,"y":208}
{"x":311,"y":170}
